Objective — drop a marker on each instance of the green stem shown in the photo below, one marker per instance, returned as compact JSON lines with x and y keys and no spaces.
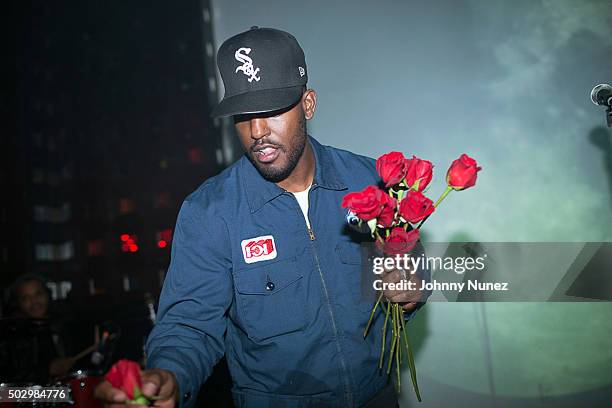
{"x":365,"y":332}
{"x":378,"y":237}
{"x":442,"y":197}
{"x":398,"y":356}
{"x":394,"y":340}
{"x":384,"y":336}
{"x":411,"y":365}
{"x":400,"y":316}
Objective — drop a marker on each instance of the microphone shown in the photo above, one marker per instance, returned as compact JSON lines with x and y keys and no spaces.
{"x":602,"y":95}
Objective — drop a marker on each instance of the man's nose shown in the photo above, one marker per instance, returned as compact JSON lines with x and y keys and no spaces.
{"x":259,"y":128}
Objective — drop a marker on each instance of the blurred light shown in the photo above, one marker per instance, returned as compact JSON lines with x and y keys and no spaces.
{"x":195,"y":155}
{"x":95,"y":247}
{"x":128,"y":243}
{"x":163,"y":237}
{"x":126,"y":205}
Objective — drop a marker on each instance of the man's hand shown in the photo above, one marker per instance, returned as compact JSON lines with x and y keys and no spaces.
{"x":157,"y":384}
{"x":408,"y":298}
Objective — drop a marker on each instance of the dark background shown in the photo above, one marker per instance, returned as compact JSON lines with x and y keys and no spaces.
{"x":107,"y":130}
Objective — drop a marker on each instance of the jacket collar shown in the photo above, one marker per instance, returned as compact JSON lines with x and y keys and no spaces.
{"x":259,"y":191}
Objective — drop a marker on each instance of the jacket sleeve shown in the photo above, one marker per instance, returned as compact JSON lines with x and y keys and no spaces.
{"x":188,"y":337}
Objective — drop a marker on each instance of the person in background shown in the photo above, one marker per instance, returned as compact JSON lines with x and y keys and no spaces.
{"x":40,"y":357}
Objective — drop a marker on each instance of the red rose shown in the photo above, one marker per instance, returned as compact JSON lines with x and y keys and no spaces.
{"x":387,"y":215}
{"x":366,"y":204}
{"x":391,"y":167}
{"x":415,"y":206}
{"x":418,"y":172}
{"x":400,"y":241}
{"x":125,"y":375}
{"x":462,"y":173}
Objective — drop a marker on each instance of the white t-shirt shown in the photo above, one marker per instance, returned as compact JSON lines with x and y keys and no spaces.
{"x":302,"y":199}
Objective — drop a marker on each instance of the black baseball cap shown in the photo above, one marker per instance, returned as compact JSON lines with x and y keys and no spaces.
{"x":263,"y":70}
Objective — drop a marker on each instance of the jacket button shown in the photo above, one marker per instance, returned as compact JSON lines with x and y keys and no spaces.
{"x":186,"y":396}
{"x":270,"y":286}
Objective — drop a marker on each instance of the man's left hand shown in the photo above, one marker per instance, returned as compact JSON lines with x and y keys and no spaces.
{"x":407,"y":298}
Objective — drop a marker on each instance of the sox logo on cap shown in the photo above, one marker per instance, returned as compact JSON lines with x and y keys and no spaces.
{"x":247,"y":64}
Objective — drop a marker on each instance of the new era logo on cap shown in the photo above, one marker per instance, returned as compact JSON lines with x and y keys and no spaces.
{"x":258,"y":249}
{"x":263,"y":70}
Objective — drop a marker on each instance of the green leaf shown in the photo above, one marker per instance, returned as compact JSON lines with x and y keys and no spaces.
{"x":372,"y":225}
{"x":140,"y":401}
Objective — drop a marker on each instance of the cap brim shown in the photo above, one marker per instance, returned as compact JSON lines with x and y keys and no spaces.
{"x":266,"y":100}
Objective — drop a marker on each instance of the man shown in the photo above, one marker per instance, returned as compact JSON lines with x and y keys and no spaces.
{"x":31,"y":296}
{"x":44,"y":355}
{"x":264,"y":268}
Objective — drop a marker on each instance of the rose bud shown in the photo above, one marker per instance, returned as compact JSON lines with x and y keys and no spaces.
{"x":366,"y":204}
{"x":399,"y":241}
{"x":387,"y":215}
{"x":462,"y":173}
{"x":418,"y":173}
{"x":391,"y":167}
{"x":125,"y":375}
{"x":415,"y":206}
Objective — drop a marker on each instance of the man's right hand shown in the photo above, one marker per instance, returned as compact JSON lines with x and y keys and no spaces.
{"x":157,"y":383}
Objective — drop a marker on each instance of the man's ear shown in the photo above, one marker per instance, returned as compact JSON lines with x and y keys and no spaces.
{"x":309,"y":103}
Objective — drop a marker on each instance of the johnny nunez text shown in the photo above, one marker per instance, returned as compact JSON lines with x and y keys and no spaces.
{"x":474,"y":284}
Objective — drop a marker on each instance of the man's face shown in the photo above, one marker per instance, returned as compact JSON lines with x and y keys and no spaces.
{"x":32,"y":299}
{"x":274,"y":141}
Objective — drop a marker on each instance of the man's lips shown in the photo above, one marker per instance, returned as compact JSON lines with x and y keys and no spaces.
{"x":265,"y":153}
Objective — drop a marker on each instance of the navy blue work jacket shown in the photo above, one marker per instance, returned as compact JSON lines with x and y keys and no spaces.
{"x":248,"y":279}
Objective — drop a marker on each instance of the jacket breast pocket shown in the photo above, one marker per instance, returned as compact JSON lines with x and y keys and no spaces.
{"x":351,"y":257}
{"x":271,"y":299}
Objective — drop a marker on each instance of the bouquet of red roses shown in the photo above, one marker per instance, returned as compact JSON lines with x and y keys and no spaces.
{"x":395,"y":215}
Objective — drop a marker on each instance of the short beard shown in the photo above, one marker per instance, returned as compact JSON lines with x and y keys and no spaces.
{"x":293,"y":157}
